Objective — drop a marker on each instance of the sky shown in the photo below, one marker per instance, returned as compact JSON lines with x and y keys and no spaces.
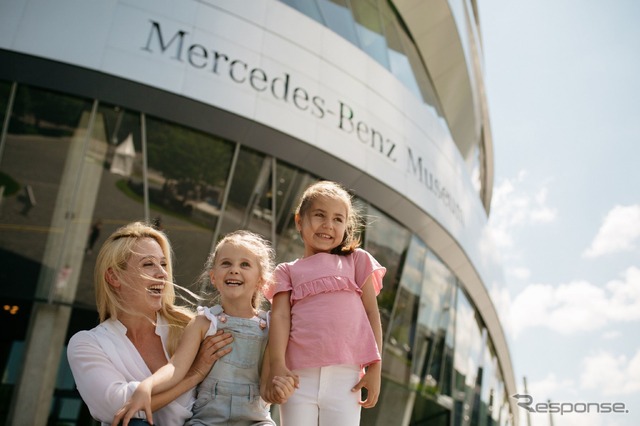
{"x":563,"y":86}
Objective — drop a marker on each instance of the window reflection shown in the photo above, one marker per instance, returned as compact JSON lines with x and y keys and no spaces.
{"x":44,"y":130}
{"x":309,"y":8}
{"x":5,"y":90}
{"x":250,"y":204}
{"x":399,"y":64}
{"x":436,"y":320}
{"x":337,"y":16}
{"x":400,"y":338}
{"x":485,"y":409}
{"x":388,"y":242}
{"x":467,"y":360}
{"x":187,"y":176}
{"x":291,"y":184}
{"x":42,"y":244}
{"x":370,"y":31}
{"x":117,"y":139}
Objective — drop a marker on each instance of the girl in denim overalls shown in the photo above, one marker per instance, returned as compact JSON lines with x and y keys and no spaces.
{"x":239,"y":269}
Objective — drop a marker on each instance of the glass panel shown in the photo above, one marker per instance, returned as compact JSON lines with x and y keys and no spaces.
{"x":489,"y":384}
{"x":309,"y":8}
{"x":370,"y":31}
{"x":5,"y":90}
{"x":388,"y":242}
{"x":435,"y":315}
{"x":473,"y":166}
{"x":39,"y":165}
{"x":398,"y":60}
{"x":419,"y":75}
{"x":491,"y":388}
{"x":187,"y":175}
{"x":467,"y":360}
{"x":337,"y":17}
{"x":291,"y":184}
{"x":401,"y":333}
{"x":43,"y":156}
{"x":248,"y":194}
{"x":117,"y":176}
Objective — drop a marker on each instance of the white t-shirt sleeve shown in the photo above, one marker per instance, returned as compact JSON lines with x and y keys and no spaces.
{"x":213,"y":327}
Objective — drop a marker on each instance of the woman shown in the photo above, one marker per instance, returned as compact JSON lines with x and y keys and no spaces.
{"x":139,"y":328}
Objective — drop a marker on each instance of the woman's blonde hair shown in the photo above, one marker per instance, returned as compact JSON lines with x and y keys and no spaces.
{"x":334,"y":190}
{"x":114,"y":255}
{"x":259,"y":246}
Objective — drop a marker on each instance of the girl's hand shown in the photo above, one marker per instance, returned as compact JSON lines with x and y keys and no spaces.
{"x":371,"y":382}
{"x":140,"y":400}
{"x":283,"y":387}
{"x":278,"y":387}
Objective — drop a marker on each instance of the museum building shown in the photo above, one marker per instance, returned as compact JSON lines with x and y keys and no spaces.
{"x":207,"y":116}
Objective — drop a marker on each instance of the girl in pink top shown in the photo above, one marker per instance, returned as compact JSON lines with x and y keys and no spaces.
{"x":325,"y":319}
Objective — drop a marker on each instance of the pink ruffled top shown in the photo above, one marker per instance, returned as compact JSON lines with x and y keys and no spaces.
{"x":329,"y":325}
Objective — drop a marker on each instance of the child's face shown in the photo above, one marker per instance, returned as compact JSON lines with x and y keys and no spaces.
{"x":236,"y":275}
{"x":323,"y":226}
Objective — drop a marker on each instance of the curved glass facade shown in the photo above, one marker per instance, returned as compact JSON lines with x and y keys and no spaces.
{"x":110,"y":165}
{"x":208,"y":116}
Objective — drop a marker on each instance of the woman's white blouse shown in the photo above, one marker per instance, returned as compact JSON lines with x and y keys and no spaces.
{"x":107,"y":369}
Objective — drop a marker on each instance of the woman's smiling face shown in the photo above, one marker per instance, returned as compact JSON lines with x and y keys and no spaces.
{"x":143,"y":281}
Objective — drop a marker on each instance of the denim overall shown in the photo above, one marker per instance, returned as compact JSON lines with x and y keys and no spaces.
{"x":230,"y":394}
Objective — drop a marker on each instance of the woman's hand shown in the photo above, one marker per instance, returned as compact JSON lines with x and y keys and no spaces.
{"x":139,"y":401}
{"x":211,"y":349}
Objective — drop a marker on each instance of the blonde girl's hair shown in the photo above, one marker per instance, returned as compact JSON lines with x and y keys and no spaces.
{"x":259,"y":246}
{"x":329,"y":189}
{"x":114,"y":254}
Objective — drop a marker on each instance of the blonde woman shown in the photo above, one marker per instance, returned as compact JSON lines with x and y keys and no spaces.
{"x":140,"y":325}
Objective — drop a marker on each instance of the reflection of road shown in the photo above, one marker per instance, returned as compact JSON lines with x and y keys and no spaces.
{"x":190,"y":243}
{"x":39,"y":162}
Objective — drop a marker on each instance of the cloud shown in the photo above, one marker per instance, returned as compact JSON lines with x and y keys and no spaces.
{"x":578,"y":306}
{"x":547,"y":386}
{"x":611,"y":374}
{"x":612,"y":335}
{"x":619,"y":232}
{"x":514,"y":206}
{"x":520,"y":273}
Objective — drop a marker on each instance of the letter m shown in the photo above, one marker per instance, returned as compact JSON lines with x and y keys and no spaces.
{"x":415,"y":166}
{"x":156,"y":34}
